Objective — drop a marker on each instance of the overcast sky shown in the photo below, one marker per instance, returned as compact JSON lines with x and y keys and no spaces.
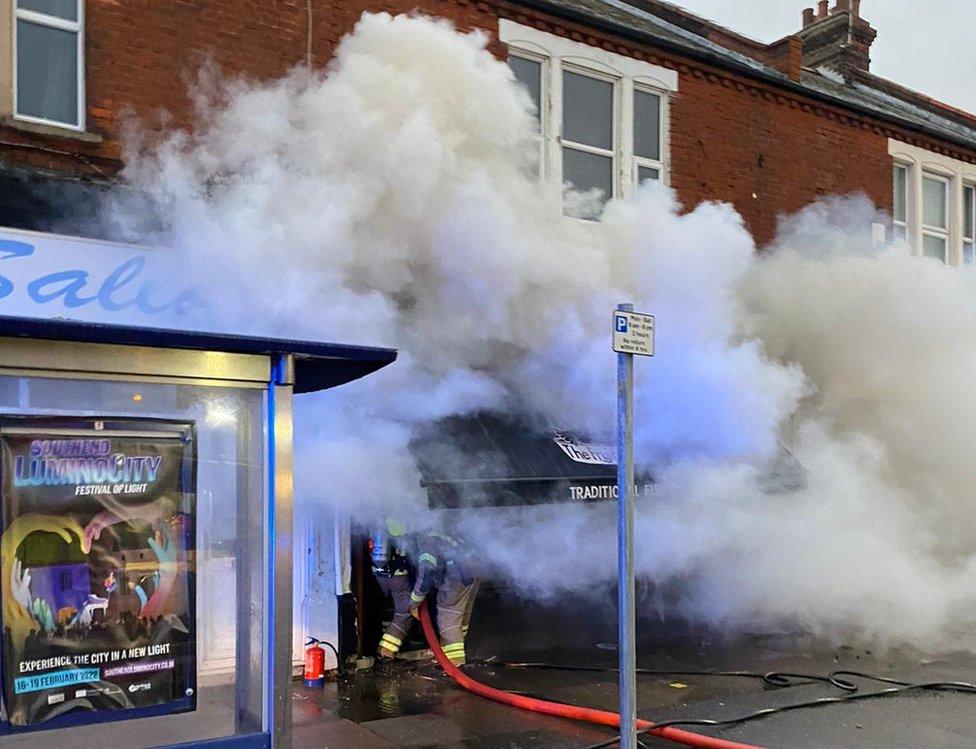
{"x":923,"y":44}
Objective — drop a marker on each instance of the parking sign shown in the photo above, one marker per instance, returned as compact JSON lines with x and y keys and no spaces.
{"x":633,"y":333}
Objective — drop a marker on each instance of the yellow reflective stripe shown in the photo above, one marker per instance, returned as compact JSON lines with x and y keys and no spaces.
{"x":429,"y":558}
{"x":416,"y":599}
{"x":445,"y":538}
{"x":392,"y":640}
{"x":453,"y":649}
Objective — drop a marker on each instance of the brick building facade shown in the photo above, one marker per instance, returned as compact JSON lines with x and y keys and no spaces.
{"x":768,"y":128}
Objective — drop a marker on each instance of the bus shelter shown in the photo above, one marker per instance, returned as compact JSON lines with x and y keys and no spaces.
{"x":145,"y":501}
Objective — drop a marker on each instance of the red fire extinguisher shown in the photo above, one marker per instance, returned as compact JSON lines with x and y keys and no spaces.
{"x":314,"y":663}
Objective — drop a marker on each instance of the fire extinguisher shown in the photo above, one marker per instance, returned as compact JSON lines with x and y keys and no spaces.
{"x":314,"y":663}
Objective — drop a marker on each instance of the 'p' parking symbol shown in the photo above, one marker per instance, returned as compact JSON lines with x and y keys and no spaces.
{"x":621,"y":323}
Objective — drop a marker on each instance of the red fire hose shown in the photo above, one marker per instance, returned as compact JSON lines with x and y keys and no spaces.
{"x":589,"y":715}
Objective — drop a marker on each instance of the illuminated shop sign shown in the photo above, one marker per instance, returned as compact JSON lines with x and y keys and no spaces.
{"x":52,"y":276}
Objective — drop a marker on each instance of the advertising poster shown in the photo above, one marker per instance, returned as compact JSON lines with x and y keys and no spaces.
{"x":97,"y":569}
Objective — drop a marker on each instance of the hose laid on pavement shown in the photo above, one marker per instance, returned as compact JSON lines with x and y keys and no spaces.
{"x":559,"y":709}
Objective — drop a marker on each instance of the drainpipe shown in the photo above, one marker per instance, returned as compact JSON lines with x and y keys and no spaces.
{"x":308,"y":39}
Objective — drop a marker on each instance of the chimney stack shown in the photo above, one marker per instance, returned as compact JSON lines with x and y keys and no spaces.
{"x":837,"y":38}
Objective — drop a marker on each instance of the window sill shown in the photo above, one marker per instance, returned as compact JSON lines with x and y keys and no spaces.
{"x":52,"y":130}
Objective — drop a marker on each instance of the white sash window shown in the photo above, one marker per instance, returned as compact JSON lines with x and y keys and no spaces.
{"x":603,"y":117}
{"x":48,"y":51}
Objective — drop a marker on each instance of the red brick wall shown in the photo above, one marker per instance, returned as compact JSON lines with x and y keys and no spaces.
{"x":731,"y":139}
{"x":142,"y":55}
{"x":768,"y":154}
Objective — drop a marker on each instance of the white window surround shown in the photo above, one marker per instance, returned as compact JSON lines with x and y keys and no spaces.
{"x":557,"y":54}
{"x":42,"y":19}
{"x":919,"y":163}
{"x":899,"y":217}
{"x":969,"y":225}
{"x":936,"y":227}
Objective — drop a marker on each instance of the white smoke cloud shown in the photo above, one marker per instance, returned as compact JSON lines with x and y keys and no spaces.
{"x":388,"y":201}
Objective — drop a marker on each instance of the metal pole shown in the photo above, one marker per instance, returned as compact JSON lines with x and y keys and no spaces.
{"x":280,"y":552}
{"x":625,"y":547}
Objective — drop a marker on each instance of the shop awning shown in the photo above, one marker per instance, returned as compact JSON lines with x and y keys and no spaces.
{"x":488,"y":460}
{"x":318,"y":366}
{"x":491,"y":460}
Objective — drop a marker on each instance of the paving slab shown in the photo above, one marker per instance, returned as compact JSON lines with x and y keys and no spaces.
{"x":337,"y":734}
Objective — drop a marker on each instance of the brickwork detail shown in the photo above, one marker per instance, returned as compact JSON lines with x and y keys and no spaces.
{"x":765,"y":149}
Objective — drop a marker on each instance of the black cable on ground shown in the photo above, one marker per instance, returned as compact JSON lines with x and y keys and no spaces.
{"x":901,"y":687}
{"x":612,"y":741}
{"x":777,"y":679}
{"x":961,"y":687}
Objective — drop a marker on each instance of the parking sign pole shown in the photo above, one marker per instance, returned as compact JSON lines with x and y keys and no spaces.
{"x":626,"y":608}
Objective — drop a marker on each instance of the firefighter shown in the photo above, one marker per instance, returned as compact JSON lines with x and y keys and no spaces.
{"x":441,"y":565}
{"x":391,"y":568}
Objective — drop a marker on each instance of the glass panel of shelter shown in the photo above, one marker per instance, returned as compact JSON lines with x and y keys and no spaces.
{"x":230,"y":576}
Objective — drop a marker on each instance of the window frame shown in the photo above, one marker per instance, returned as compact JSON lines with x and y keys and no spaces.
{"x":970,"y":238}
{"x":613,"y":152}
{"x":54,"y":22}
{"x":544,"y":97}
{"x":557,"y":53}
{"x":960,"y":174}
{"x":901,"y":226}
{"x":646,"y":162}
{"x":930,"y":230}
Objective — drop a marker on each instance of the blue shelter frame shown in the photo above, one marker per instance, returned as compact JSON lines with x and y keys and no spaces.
{"x":74,"y":353}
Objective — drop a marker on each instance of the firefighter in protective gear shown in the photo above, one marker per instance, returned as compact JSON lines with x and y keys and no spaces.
{"x":441,"y":565}
{"x":391,"y":568}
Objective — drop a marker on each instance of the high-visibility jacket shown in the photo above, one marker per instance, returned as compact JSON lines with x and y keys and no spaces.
{"x":440,"y":561}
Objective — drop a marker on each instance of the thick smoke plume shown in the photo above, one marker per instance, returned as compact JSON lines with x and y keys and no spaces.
{"x":390,"y":200}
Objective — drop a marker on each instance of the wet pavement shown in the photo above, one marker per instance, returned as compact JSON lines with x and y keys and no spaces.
{"x":414,"y":705}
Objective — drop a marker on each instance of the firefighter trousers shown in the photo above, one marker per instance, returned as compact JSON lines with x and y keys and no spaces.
{"x":455,"y":602}
{"x":398,"y":588}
